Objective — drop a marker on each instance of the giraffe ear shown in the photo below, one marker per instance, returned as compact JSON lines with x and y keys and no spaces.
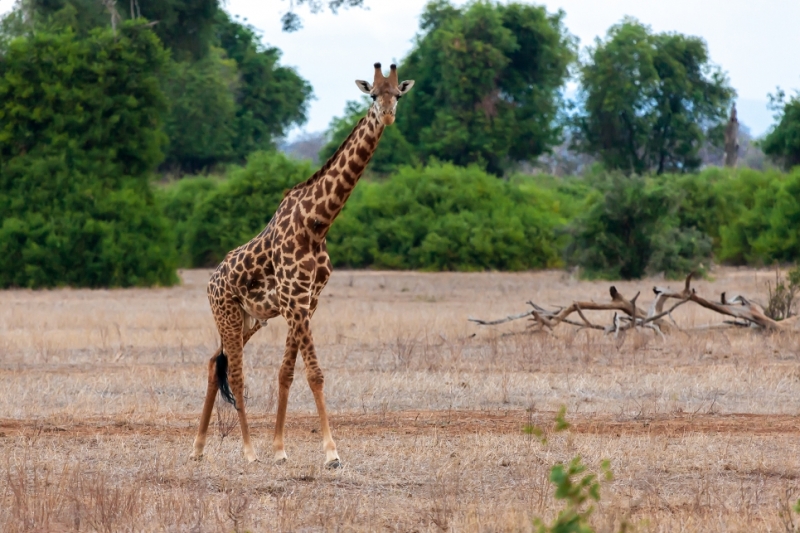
{"x":405,"y":86}
{"x":365,"y":86}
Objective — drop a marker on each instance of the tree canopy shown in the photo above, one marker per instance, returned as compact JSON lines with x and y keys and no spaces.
{"x":650,"y":100}
{"x":227,"y":94}
{"x":79,"y":138}
{"x":488,"y":80}
{"x":782,"y":143}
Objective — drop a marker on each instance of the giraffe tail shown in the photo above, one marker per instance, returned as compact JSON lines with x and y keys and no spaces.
{"x":222,"y":378}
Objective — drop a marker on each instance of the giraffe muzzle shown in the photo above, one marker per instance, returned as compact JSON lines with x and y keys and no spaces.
{"x":387,"y":118}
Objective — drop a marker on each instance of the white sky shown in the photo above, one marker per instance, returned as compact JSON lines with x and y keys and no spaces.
{"x":756,"y":43}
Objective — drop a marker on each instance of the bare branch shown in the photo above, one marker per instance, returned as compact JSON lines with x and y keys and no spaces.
{"x":500,"y":320}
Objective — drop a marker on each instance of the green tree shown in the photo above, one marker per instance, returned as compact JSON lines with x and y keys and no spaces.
{"x":184,"y":26}
{"x":782,"y":143}
{"x":228,"y":96}
{"x":650,"y":100}
{"x":488,"y":81}
{"x":201,"y":121}
{"x":80,"y":133}
{"x":269,"y":98}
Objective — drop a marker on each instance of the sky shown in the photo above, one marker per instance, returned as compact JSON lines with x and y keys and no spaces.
{"x":756,"y":43}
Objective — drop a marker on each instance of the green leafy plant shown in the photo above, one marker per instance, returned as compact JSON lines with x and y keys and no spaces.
{"x":443,"y":217}
{"x":574,"y":485}
{"x":488,"y":83}
{"x":578,"y":490}
{"x":782,"y":143}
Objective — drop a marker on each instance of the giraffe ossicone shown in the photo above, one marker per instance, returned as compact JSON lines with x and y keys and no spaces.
{"x":282,"y":271}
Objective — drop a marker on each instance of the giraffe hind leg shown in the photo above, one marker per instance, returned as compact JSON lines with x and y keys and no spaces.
{"x":208,"y":406}
{"x":217,"y":381}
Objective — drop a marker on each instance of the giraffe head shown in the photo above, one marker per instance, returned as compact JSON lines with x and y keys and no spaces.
{"x":385,"y":92}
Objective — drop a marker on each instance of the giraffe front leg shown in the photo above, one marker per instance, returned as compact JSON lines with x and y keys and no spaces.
{"x":285,"y":378}
{"x":316,"y":381}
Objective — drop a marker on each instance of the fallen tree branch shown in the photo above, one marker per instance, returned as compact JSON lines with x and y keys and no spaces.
{"x":739,"y":307}
{"x":500,"y":320}
{"x":628,"y":315}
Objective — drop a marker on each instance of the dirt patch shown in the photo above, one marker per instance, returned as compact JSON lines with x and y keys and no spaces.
{"x":450,"y":423}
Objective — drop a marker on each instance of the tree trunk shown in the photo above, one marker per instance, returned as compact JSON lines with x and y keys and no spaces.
{"x":732,"y":139}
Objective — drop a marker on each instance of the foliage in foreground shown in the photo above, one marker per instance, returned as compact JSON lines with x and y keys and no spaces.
{"x":576,"y":488}
{"x":79,"y":138}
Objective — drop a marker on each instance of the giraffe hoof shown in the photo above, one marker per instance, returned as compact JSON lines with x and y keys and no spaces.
{"x":333,"y":464}
{"x":280,"y":458}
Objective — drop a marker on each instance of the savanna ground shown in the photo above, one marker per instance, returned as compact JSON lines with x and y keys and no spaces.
{"x":102,"y":390}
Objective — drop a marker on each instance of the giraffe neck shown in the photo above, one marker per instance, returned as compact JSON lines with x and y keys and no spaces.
{"x":332,"y":186}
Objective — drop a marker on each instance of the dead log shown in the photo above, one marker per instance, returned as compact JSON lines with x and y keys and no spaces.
{"x":628,"y":315}
{"x":738,"y":307}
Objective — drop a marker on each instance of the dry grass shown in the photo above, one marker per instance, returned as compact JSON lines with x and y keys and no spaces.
{"x":102,"y":391}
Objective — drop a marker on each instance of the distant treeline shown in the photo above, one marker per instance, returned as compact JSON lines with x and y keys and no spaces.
{"x":95,"y":102}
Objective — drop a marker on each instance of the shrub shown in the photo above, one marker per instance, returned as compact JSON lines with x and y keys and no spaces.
{"x":630,"y":228}
{"x":766,"y":224}
{"x":79,"y":136}
{"x":240,"y":207}
{"x":781,"y":301}
{"x":444,"y":217}
{"x":179,"y":201}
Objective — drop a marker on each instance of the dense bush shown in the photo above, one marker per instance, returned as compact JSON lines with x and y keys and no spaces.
{"x":79,"y":137}
{"x":631,"y":228}
{"x":765,"y":225}
{"x":239,"y":208}
{"x":179,"y":201}
{"x":437,"y":218}
{"x":444,"y":217}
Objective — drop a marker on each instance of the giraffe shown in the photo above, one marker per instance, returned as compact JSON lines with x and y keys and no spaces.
{"x":282,"y":271}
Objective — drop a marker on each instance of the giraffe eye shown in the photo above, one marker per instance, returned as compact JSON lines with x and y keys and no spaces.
{"x":399,"y":96}
{"x":374,"y":97}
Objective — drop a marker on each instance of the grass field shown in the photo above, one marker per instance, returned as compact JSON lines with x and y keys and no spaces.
{"x":102,"y":390}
